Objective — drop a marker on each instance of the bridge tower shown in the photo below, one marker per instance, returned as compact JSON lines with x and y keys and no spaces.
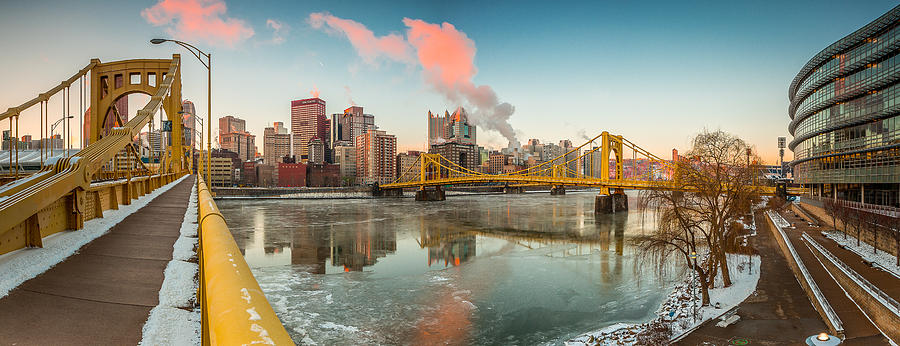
{"x":430,"y":169}
{"x":111,"y":81}
{"x":607,"y":202}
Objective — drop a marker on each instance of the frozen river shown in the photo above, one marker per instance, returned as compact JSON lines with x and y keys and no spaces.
{"x":489,"y":269}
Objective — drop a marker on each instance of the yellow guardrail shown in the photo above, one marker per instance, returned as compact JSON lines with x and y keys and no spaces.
{"x":234,"y":310}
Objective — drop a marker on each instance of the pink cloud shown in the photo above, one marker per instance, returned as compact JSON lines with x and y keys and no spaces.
{"x":204,"y":20}
{"x":447,"y":58}
{"x":280,"y":30}
{"x":367,"y":45}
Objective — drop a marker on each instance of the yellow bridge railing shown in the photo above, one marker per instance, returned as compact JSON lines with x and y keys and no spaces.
{"x":234,"y":310}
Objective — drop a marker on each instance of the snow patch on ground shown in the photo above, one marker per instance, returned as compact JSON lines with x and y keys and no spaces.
{"x":172,"y":326}
{"x":678,"y":309}
{"x":882,"y":259}
{"x":180,"y":285}
{"x":23,"y":264}
{"x":778,"y":219}
{"x":176,"y":320}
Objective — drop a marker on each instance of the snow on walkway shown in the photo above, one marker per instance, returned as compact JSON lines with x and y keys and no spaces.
{"x":176,"y":320}
{"x":883,"y":259}
{"x":21,"y":265}
{"x":677,"y":309}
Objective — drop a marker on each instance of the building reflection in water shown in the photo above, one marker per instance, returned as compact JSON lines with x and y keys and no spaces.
{"x":352,"y":249}
{"x":445,"y":243}
{"x":450,"y":237}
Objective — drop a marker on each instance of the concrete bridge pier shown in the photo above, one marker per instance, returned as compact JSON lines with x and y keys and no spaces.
{"x":557,"y":190}
{"x":513,"y":189}
{"x":392,"y":192}
{"x":610,"y":204}
{"x":377,"y":191}
{"x":426,"y":194}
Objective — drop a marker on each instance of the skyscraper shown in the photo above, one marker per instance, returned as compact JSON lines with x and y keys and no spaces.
{"x":375,"y":157}
{"x":437,"y":127}
{"x":188,"y":121}
{"x":451,"y":128}
{"x":276,"y":143}
{"x":345,"y":156}
{"x":359,"y":121}
{"x":231,"y":124}
{"x":316,"y":150}
{"x":233,"y":137}
{"x":307,"y":122}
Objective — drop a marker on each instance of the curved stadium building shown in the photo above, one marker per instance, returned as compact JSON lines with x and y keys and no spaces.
{"x":845,"y":116}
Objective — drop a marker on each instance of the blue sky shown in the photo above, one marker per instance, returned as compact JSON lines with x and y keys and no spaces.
{"x":655,"y":72}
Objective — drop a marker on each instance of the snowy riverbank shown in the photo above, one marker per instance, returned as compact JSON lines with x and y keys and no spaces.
{"x":678,"y":309}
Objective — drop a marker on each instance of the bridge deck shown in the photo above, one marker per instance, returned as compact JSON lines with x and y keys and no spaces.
{"x":104,"y":293}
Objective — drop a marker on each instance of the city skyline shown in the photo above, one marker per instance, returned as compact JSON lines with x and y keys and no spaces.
{"x":746,"y":57}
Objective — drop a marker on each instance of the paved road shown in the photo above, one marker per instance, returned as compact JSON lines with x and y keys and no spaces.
{"x":778,"y":313}
{"x":104,"y":293}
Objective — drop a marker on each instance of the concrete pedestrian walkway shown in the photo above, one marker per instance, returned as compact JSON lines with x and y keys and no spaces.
{"x":887,"y":282}
{"x":778,"y":313}
{"x":858,"y":328}
{"x":103,"y":294}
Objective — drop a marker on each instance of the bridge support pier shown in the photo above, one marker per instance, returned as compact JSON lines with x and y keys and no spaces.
{"x":377,"y":191}
{"x":425,"y":194}
{"x":557,"y":190}
{"x":392,"y":192}
{"x":610,"y":204}
{"x":513,"y":189}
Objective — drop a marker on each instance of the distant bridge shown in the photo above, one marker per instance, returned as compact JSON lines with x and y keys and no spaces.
{"x":594,"y":155}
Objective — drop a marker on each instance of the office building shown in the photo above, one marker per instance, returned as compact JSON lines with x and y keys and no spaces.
{"x":234,"y":137}
{"x":307,"y":121}
{"x":277,"y":143}
{"x":290,"y":174}
{"x":189,"y":123}
{"x":375,"y":157}
{"x":316,"y":150}
{"x":345,"y":157}
{"x":845,"y":116}
{"x":465,"y":155}
{"x":407,"y":163}
{"x":451,"y":128}
{"x":242,"y":143}
{"x":322,"y":175}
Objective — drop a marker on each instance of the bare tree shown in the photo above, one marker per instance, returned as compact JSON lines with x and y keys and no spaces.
{"x":892,"y":225}
{"x":843,"y":213}
{"x":720,"y":176}
{"x":678,"y":233}
{"x":870,"y":221}
{"x":831,"y":209}
{"x":856,"y":219}
{"x":708,"y":193}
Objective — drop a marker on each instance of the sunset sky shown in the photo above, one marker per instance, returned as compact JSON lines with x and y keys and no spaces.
{"x":655,"y":72}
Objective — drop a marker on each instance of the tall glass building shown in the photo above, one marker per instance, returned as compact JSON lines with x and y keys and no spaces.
{"x":845,"y":116}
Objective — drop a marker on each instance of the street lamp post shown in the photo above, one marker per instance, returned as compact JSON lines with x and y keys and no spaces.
{"x":200,"y":157}
{"x":693,"y":257}
{"x":53,"y":128}
{"x":208,"y":64}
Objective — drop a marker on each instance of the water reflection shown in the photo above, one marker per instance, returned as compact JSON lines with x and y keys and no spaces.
{"x":481,"y":269}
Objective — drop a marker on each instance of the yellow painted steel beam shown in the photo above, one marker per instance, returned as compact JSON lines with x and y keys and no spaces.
{"x":234,"y":309}
{"x":28,"y":196}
